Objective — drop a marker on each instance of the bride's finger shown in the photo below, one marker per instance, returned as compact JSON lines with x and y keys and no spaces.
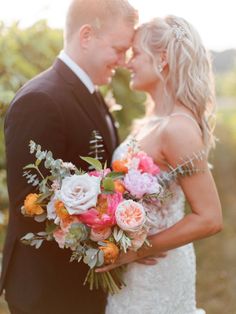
{"x":161,"y":254}
{"x":105,"y":268}
{"x":148,"y":261}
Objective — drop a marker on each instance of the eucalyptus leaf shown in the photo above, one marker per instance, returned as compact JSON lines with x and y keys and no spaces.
{"x":92,"y":262}
{"x":39,"y":243}
{"x":42,"y":233}
{"x":93,"y":162}
{"x":41,"y":218}
{"x":28,"y":236}
{"x":100,"y":260}
{"x":29,"y":166}
{"x":38,"y":162}
{"x":51,"y":227}
{"x":43,"y":196}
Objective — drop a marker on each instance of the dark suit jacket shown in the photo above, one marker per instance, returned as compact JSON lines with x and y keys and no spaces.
{"x":56,"y":111}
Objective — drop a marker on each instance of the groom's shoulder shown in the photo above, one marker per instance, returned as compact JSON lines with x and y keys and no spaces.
{"x":47,"y":85}
{"x":45,"y":82}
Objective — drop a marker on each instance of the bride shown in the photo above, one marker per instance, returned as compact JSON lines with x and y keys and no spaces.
{"x":170,"y":63}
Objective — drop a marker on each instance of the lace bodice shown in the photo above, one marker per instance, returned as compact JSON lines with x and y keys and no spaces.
{"x":169,"y":286}
{"x":167,"y":215}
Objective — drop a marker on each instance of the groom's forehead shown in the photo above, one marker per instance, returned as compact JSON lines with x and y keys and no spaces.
{"x":120,"y":37}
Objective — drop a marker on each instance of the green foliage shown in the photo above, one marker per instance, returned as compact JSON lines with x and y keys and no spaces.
{"x":24,"y":53}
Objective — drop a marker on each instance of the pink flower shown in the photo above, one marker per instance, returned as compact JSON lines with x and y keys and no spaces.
{"x":104,"y":214}
{"x":146,"y":164}
{"x":137,"y":238}
{"x":60,"y":237}
{"x":138,"y":183}
{"x":130,"y":216}
{"x":100,"y":234}
{"x":101,"y":173}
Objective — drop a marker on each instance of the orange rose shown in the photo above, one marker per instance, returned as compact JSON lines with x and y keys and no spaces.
{"x":61,"y":211}
{"x":119,"y":166}
{"x":119,"y":186}
{"x":110,"y":251}
{"x":31,"y":208}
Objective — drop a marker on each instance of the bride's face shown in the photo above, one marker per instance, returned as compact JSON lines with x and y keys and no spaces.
{"x":143,"y":77}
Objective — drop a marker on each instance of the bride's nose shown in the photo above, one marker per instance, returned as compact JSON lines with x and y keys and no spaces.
{"x":129,"y":64}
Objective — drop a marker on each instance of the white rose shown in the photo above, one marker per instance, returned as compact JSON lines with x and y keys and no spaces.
{"x":79,"y":193}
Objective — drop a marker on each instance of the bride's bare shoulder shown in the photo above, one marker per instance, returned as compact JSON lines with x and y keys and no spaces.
{"x":180,"y":137}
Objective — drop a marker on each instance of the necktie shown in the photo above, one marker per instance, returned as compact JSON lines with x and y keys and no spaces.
{"x":107,"y":116}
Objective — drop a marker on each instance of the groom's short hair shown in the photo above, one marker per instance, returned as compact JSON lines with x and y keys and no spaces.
{"x":98,"y":13}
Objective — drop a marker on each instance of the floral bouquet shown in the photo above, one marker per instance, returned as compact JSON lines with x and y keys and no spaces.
{"x":95,"y":214}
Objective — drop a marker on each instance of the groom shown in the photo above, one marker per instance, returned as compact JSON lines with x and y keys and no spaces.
{"x":59,"y":109}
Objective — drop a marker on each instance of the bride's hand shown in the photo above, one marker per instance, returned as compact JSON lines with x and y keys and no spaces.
{"x":123,"y":258}
{"x":132,"y":256}
{"x":152,"y":260}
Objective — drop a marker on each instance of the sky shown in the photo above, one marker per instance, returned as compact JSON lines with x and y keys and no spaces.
{"x":215,"y":20}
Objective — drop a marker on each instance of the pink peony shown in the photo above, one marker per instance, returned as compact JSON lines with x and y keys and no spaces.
{"x":146,"y":164}
{"x":138,"y":183}
{"x":101,"y":173}
{"x":104,"y":214}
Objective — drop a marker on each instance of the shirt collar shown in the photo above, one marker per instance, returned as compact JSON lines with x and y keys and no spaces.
{"x":80,"y":73}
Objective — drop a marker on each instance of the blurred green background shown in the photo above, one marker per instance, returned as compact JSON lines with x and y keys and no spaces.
{"x":26,"y":52}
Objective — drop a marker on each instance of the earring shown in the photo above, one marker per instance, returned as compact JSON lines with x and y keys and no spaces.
{"x":160,"y":68}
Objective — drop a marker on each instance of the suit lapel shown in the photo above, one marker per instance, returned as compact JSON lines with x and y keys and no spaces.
{"x":88,"y":103}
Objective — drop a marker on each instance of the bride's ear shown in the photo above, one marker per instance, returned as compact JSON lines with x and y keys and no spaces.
{"x":163,"y":59}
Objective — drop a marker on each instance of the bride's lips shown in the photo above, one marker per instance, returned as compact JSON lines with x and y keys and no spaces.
{"x":111,"y":69}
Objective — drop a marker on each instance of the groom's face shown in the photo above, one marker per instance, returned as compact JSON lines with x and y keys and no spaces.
{"x":107,"y":51}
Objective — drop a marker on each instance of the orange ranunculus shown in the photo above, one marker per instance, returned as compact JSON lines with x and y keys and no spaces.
{"x":110,"y":251}
{"x":31,"y":208}
{"x":119,"y":166}
{"x":102,"y":205}
{"x":119,"y":186}
{"x":61,"y":211}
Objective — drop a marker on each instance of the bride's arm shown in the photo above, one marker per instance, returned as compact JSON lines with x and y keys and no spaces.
{"x":205,"y":218}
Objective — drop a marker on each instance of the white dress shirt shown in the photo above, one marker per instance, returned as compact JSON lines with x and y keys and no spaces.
{"x":82,"y":75}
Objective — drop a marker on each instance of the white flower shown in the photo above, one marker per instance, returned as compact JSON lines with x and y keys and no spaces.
{"x":51,"y":211}
{"x":68,"y":166}
{"x":79,"y":193}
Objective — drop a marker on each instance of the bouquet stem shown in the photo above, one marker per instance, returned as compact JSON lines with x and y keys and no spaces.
{"x":110,"y":282}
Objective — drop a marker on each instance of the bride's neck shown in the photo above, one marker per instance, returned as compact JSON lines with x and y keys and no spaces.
{"x":160,"y":106}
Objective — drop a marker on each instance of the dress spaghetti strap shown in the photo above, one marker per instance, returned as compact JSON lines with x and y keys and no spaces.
{"x":187,"y":116}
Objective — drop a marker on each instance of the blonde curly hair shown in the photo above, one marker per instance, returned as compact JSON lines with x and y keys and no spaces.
{"x":190,"y":78}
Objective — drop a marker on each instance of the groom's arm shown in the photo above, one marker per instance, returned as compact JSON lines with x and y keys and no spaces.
{"x":33,"y":116}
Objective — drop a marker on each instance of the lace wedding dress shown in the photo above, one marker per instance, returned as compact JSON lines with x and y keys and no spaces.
{"x":167,"y":287}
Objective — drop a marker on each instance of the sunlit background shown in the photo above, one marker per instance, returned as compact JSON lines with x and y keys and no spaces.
{"x":29,"y":45}
{"x":215,"y":20}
